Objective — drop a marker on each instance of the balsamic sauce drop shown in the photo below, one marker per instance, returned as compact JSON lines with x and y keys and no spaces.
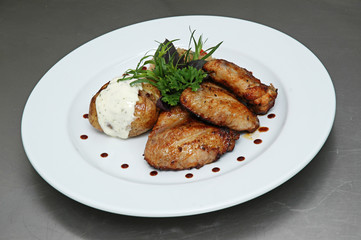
{"x":84,"y":136}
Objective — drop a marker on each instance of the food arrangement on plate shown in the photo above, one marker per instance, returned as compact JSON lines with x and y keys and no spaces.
{"x":195,"y":106}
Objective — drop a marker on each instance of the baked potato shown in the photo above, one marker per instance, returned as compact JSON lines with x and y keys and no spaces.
{"x":143,"y":118}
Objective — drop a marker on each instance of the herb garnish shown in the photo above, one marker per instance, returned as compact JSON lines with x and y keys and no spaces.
{"x":172,"y":73}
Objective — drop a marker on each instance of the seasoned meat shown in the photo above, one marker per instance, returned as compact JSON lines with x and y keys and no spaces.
{"x":258,"y":96}
{"x":179,"y":141}
{"x":216,"y":105}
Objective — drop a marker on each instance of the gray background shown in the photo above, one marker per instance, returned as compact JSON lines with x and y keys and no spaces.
{"x":323,"y":201}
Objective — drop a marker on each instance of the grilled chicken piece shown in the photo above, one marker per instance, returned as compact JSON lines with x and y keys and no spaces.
{"x":258,"y":96}
{"x":216,"y":105}
{"x":179,"y":141}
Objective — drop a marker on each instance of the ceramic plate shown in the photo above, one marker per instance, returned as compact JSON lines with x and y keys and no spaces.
{"x":111,"y":174}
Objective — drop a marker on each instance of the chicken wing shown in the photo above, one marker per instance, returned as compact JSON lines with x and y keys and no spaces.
{"x":216,"y":105}
{"x":179,"y":141}
{"x":258,"y":96}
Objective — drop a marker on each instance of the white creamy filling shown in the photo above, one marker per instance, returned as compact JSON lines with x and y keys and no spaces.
{"x":115,"y":107}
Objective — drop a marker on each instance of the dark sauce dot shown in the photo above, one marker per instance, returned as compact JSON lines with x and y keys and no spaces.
{"x":153,"y":173}
{"x":104,"y":155}
{"x":84,"y":137}
{"x":216,"y":169}
{"x":263,"y":129}
{"x":241,"y":158}
{"x":189,"y":175}
{"x":86,"y":115}
{"x":271,"y":115}
{"x":257,"y":141}
{"x":125,"y":165}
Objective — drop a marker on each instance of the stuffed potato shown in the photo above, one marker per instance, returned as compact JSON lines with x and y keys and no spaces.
{"x":120,"y":110}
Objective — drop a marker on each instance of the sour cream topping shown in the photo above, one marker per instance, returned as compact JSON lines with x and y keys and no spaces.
{"x":115,"y":107}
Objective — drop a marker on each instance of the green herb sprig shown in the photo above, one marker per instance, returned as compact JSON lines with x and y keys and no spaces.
{"x":171,"y":74}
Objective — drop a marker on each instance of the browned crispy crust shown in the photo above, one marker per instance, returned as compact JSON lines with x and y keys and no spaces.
{"x":258,"y":96}
{"x":146,"y":112}
{"x":218,"y":106}
{"x":178,"y":141}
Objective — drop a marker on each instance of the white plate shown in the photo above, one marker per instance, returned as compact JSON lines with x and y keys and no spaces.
{"x":53,"y":122}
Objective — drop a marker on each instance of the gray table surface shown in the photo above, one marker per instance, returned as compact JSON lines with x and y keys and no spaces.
{"x":323,"y":201}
